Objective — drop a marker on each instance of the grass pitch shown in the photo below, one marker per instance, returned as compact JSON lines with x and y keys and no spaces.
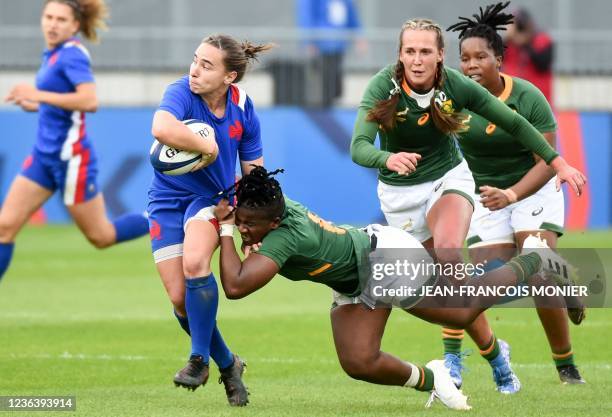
{"x":97,"y":325}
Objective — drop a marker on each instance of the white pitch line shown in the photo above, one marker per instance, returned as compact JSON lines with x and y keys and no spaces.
{"x":286,"y":361}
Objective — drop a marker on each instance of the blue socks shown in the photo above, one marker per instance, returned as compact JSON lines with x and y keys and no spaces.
{"x":219,"y":351}
{"x":184,"y":322}
{"x":130,"y":226}
{"x":6,"y":254}
{"x":201,"y":302}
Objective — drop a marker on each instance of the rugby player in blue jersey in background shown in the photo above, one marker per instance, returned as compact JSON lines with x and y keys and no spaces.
{"x":63,"y":157}
{"x":184,"y":231}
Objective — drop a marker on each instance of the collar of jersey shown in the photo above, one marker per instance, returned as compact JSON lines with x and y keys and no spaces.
{"x":228,"y":103}
{"x":60,"y":46}
{"x":413,"y":95}
{"x":508,"y":82}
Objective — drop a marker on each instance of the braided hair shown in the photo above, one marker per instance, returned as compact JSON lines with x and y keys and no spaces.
{"x":485,"y":25}
{"x":259,"y":190}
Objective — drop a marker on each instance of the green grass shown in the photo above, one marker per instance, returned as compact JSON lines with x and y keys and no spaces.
{"x":97,"y":325}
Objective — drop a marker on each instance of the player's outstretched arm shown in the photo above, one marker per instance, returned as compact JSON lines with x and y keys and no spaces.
{"x":240,"y":278}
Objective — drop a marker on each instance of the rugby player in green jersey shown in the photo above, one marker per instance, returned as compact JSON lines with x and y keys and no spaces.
{"x":283,"y":237}
{"x":425,"y":186}
{"x":516,"y":188}
{"x":413,"y":106}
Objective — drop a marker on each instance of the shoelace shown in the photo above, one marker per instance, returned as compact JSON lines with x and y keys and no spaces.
{"x":432,"y":398}
{"x":457,"y":360}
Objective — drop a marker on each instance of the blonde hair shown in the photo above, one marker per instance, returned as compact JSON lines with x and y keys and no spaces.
{"x":384,"y":112}
{"x":91,"y":14}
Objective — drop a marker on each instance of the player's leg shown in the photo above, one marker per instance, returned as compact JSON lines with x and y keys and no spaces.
{"x":448,"y":219}
{"x":86,"y":205}
{"x":23,"y":199}
{"x":495,"y":352}
{"x":449,"y":212}
{"x":90,"y":217}
{"x":27,"y":193}
{"x":167,"y":235}
{"x":518,"y":271}
{"x":555,"y":323}
{"x":202,"y":299}
{"x":358,"y":332}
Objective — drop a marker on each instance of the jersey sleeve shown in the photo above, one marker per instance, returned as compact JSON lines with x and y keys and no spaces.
{"x":481,"y":102}
{"x":363,"y":150}
{"x":77,"y":66}
{"x":177,"y":100}
{"x":279,"y":245}
{"x":250,"y":147}
{"x":541,"y":115}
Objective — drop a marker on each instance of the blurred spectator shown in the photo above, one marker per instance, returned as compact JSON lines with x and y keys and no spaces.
{"x":530,"y":53}
{"x":329,"y":25}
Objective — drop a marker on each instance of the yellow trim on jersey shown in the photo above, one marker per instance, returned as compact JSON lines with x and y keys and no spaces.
{"x":508,"y":82}
{"x":406,"y":87}
{"x":320,"y":270}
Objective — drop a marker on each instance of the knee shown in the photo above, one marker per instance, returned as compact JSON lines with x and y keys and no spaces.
{"x":195,"y":265}
{"x":100,"y":240}
{"x":463,"y":318}
{"x":358,"y":366}
{"x":8,"y":230}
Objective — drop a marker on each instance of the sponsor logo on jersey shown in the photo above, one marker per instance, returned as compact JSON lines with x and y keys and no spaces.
{"x":444,"y":103}
{"x":53,"y":59}
{"x":423,"y":119}
{"x":235,"y":130}
{"x":401,"y":115}
{"x":408,"y":225}
{"x":490,"y":128}
{"x":537,"y":211}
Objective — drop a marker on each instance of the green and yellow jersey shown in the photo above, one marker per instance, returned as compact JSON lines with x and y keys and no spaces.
{"x":306,"y":247}
{"x":494,"y":156}
{"x":416,"y":132}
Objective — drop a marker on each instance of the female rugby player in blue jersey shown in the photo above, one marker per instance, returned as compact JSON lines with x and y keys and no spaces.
{"x":183,"y":227}
{"x":63,"y":157}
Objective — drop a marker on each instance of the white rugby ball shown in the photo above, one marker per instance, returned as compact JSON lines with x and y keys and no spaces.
{"x":173,"y":161}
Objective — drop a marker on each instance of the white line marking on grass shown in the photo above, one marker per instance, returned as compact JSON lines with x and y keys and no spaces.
{"x":107,"y":357}
{"x":273,"y":360}
{"x":80,"y":356}
{"x":536,"y":323}
{"x":79,"y":317}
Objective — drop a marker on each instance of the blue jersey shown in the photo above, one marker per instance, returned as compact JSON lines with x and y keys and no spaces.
{"x":237,"y":134}
{"x":62,"y":132}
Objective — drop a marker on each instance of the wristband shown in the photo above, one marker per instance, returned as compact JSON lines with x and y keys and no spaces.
{"x":510,"y":195}
{"x":226,"y":230}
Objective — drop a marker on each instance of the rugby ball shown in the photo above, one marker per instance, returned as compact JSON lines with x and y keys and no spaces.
{"x":173,"y":161}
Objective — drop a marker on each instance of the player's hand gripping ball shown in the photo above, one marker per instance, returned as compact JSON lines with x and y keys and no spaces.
{"x":173,"y":161}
